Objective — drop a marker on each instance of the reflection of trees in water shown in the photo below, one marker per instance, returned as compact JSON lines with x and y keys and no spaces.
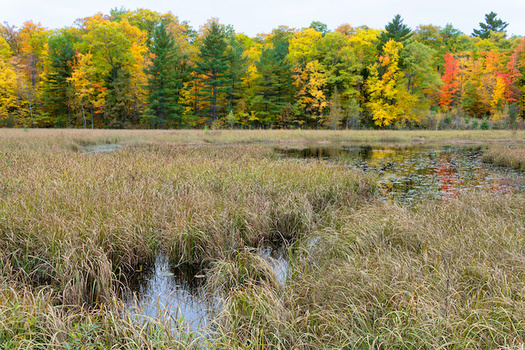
{"x":447,"y":178}
{"x":182,"y":277}
{"x":408,"y":173}
{"x":365,"y":152}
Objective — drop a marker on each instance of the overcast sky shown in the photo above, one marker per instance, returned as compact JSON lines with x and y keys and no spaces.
{"x":253,"y":17}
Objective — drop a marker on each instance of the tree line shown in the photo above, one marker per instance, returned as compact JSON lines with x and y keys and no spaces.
{"x":144,"y":69}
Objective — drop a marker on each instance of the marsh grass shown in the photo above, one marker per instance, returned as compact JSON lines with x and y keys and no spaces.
{"x":446,"y":274}
{"x":77,"y":139}
{"x":508,"y":156}
{"x":76,"y":218}
{"x":31,"y":320}
{"x":70,"y":221}
{"x":363,"y":273}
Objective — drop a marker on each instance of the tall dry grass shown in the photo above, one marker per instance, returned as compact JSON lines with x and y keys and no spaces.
{"x":445,"y":275}
{"x":31,"y":319}
{"x":363,"y":273}
{"x":77,"y":138}
{"x":508,"y":156}
{"x":71,"y":220}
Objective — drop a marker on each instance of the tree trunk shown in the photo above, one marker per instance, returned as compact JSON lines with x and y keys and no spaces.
{"x":83,"y":115}
{"x":91,"y":108}
{"x":31,"y":112}
{"x":69,"y":116}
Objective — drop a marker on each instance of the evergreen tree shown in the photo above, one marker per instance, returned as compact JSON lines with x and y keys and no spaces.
{"x":213,"y":68}
{"x":394,"y":30}
{"x":274,"y":85}
{"x":491,"y":24}
{"x":57,"y":88}
{"x":118,"y":99}
{"x":166,"y":76}
{"x":320,"y":27}
{"x":238,"y":65}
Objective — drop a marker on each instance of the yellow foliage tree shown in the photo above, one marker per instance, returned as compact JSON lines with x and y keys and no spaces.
{"x":382,"y":88}
{"x":8,"y":93}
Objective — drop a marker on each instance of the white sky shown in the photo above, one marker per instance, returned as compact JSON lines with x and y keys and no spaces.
{"x":253,"y":17}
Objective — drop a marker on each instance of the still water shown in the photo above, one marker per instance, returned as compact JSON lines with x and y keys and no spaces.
{"x":164,"y":289}
{"x":407,"y":174}
{"x":161,"y":288}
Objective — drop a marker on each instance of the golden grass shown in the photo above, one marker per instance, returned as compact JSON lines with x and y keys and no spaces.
{"x":77,"y":138}
{"x":364,"y":273}
{"x":445,"y":275}
{"x":508,"y":156}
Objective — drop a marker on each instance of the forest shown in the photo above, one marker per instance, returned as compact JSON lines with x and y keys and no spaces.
{"x":145,"y":69}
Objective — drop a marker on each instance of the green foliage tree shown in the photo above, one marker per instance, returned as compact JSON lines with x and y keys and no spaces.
{"x":213,"y":68}
{"x":492,"y":23}
{"x":320,"y":27}
{"x":274,"y":83}
{"x":166,"y":76}
{"x":58,"y":92}
{"x":395,"y":30}
{"x":238,"y":70}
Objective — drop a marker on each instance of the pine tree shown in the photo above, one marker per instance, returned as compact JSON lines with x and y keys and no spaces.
{"x":165,"y":80}
{"x":274,"y":85}
{"x":394,"y":30}
{"x":491,"y":24}
{"x":212,"y":68}
{"x":238,"y":70}
{"x":57,"y":86}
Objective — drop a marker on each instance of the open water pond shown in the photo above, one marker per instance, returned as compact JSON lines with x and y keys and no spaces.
{"x":163,"y":288}
{"x":407,"y":174}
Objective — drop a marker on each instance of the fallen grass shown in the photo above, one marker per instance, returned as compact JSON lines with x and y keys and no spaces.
{"x":508,"y":156}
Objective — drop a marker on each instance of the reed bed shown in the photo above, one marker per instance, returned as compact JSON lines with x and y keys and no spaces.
{"x":77,"y":138}
{"x":71,"y":220}
{"x":445,"y":275}
{"x":508,"y":156}
{"x":31,"y":319}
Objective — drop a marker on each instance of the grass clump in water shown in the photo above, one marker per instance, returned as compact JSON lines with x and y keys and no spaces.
{"x":513,"y":157}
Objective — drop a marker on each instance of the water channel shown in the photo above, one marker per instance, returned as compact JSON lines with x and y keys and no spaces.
{"x":405,"y":174}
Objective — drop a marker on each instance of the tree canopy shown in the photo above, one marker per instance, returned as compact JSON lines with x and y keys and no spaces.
{"x":147,"y":69}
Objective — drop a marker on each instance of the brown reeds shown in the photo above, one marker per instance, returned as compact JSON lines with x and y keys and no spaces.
{"x":508,"y":156}
{"x":447,"y":274}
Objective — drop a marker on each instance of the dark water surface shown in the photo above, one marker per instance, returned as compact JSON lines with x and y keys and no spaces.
{"x":407,"y":174}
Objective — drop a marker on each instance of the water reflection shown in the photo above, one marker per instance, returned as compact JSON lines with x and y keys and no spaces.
{"x":161,"y":288}
{"x":278,"y":259}
{"x":410,"y":173}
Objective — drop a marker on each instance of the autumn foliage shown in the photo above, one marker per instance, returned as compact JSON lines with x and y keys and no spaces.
{"x":141,"y":69}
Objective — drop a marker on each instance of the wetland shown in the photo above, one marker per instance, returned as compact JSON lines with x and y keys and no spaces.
{"x":264,"y":239}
